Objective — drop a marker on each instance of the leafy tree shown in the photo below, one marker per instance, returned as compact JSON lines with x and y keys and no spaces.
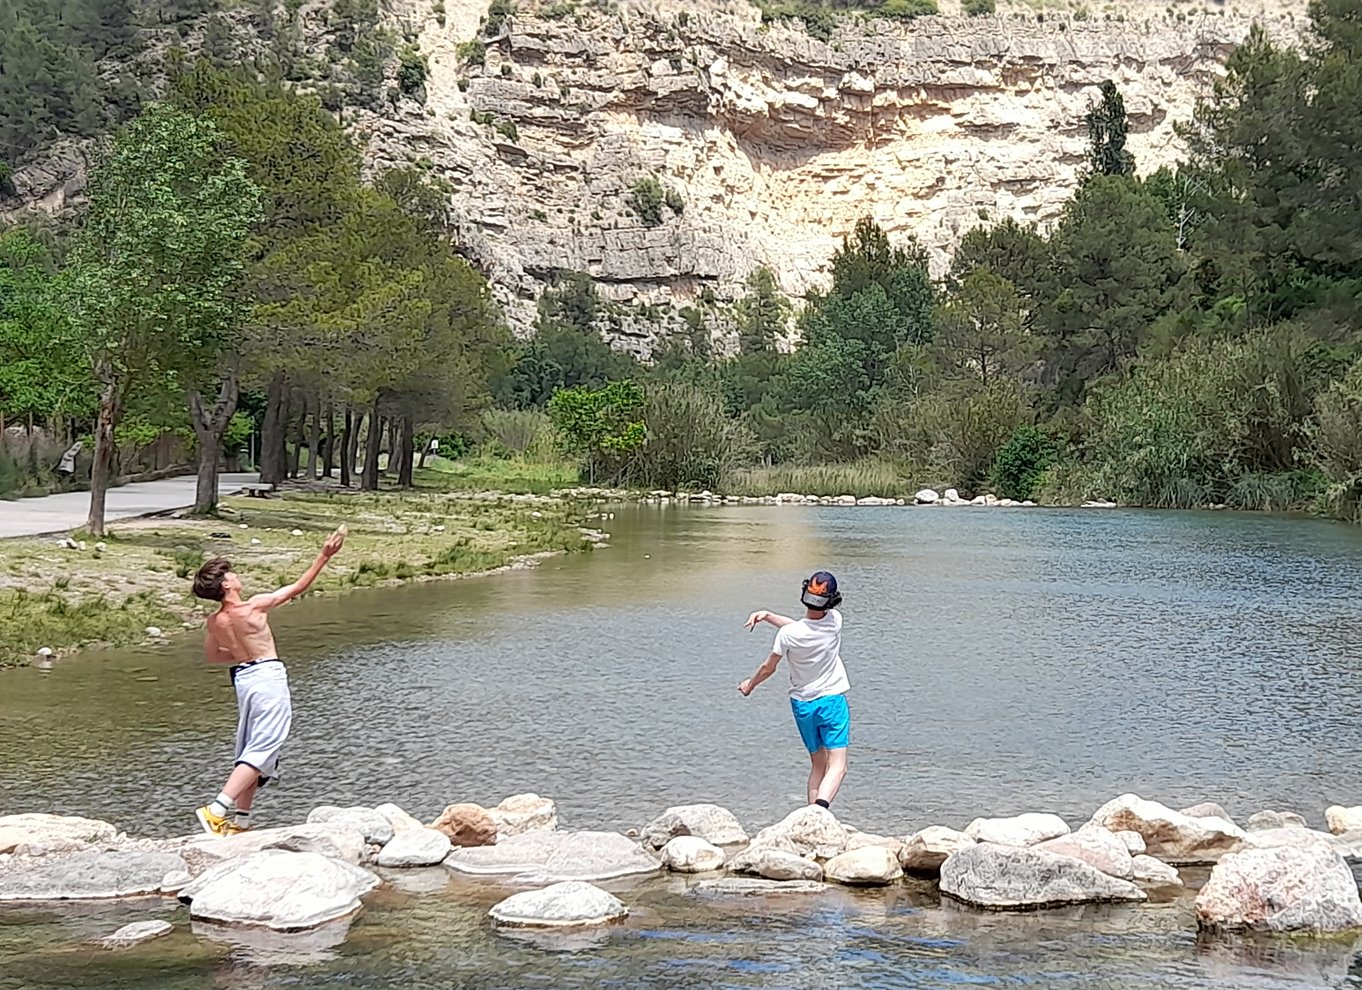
{"x":603,"y":426}
{"x":763,"y":315}
{"x":155,"y":268}
{"x":1020,"y":464}
{"x":1107,"y":126}
{"x":980,"y":330}
{"x":1009,"y":250}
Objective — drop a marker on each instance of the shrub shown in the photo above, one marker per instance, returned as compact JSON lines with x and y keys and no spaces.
{"x":497,"y":15}
{"x":646,"y":199}
{"x":691,"y":443}
{"x":1019,"y":466}
{"x":674,"y":202}
{"x":980,"y":8}
{"x":412,"y":71}
{"x":908,"y":9}
{"x":506,"y":70}
{"x":7,"y":179}
{"x":508,"y":130}
{"x":438,"y":9}
{"x":1335,"y":433}
{"x":472,"y":52}
{"x":517,"y":431}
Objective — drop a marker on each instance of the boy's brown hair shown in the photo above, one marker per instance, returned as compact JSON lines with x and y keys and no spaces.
{"x":208,"y":582}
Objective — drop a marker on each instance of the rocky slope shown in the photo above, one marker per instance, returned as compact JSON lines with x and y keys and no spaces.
{"x":777,"y":142}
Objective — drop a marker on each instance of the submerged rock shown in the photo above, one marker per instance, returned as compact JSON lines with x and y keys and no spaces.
{"x":369,"y":822}
{"x":1004,"y":877}
{"x":924,"y":851}
{"x":414,"y":848}
{"x":561,"y":905}
{"x":775,"y":861}
{"x":1019,"y":830}
{"x":1280,"y":890}
{"x":334,"y":840}
{"x":466,"y":825}
{"x":1097,"y":847}
{"x":809,"y":831}
{"x":279,"y":890}
{"x":522,"y":813}
{"x":1147,"y":869}
{"x":866,"y":867}
{"x":546,"y":857}
{"x":40,"y":834}
{"x":1170,"y":835}
{"x":89,"y":874}
{"x":753,"y":887}
{"x":692,"y":854}
{"x":1263,"y":820}
{"x":135,"y":934}
{"x":708,"y":821}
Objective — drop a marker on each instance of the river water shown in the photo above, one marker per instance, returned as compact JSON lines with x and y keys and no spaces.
{"x":1002,"y":661}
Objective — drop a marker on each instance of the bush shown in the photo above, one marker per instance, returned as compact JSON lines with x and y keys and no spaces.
{"x":691,"y":443}
{"x":1020,"y":464}
{"x":516,"y":431}
{"x":908,"y":9}
{"x":980,"y":8}
{"x":412,"y":71}
{"x":646,"y":198}
{"x":952,"y":439}
{"x":497,"y":15}
{"x":472,"y":52}
{"x":1335,"y":433}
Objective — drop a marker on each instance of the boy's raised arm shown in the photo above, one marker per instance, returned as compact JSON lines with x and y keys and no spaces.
{"x":330,"y":548}
{"x":764,"y":616}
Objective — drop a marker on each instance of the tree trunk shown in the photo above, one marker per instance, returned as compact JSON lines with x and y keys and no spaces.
{"x":299,"y":435}
{"x":314,"y":449}
{"x":347,"y":456}
{"x":107,"y":421}
{"x":329,"y":464}
{"x":392,"y":446}
{"x":273,"y":445}
{"x":209,"y":428}
{"x":425,"y":449}
{"x":408,"y":453}
{"x":369,"y":482}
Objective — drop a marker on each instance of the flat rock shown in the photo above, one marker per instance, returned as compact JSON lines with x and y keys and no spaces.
{"x":279,"y":890}
{"x":466,"y":825}
{"x":868,"y":866}
{"x":1338,"y":818}
{"x":924,"y":851}
{"x":1263,"y":820}
{"x":88,"y":874}
{"x":867,"y":840}
{"x":1280,"y":890}
{"x":40,"y":834}
{"x":710,"y":822}
{"x":1019,"y":830}
{"x":1170,"y":835}
{"x":692,"y":854}
{"x":548,"y":857}
{"x":776,"y":861}
{"x":369,"y":822}
{"x":522,"y":813}
{"x":754,"y":887}
{"x":135,"y":934}
{"x":1097,"y":847}
{"x":1134,"y":842}
{"x":1003,"y":877}
{"x":398,"y":818}
{"x":175,"y":881}
{"x":335,"y":840}
{"x":415,"y":847}
{"x":562,"y":905}
{"x":1147,"y":869}
{"x":809,"y":831}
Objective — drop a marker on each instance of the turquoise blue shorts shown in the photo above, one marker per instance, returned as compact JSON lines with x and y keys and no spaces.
{"x":824,"y":723}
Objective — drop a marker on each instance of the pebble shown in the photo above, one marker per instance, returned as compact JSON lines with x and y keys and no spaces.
{"x":154,"y":632}
{"x":296,"y":532}
{"x":243,"y":526}
{"x":255,"y":541}
{"x":101,"y":547}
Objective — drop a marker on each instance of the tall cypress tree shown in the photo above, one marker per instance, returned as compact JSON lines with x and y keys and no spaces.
{"x":1107,"y":126}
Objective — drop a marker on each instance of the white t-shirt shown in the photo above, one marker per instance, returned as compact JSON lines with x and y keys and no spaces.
{"x":813,"y":650}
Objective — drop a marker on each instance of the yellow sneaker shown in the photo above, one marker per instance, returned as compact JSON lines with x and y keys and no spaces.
{"x":212,"y":824}
{"x":234,"y":829}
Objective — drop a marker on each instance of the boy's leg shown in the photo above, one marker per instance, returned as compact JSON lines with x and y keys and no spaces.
{"x":831,"y":783}
{"x":834,"y":737}
{"x":819,"y":767}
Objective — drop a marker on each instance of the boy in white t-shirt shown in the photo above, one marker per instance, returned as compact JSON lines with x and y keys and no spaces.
{"x":812,"y":646}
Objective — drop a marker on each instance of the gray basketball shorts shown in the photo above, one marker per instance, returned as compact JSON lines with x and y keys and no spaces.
{"x":265,"y":714}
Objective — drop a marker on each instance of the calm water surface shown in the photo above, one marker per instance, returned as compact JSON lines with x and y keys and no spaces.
{"x":1001,"y":662}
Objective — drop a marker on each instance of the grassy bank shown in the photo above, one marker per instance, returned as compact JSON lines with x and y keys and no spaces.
{"x":64,"y":599}
{"x":504,"y":474}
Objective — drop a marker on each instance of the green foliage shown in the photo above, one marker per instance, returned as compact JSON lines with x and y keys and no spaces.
{"x":906,"y":9}
{"x":647,"y":197}
{"x":1107,"y":126}
{"x":7,"y":179}
{"x":763,"y":315}
{"x":1021,"y":462}
{"x":498,"y":14}
{"x":603,"y":427}
{"x":689,"y":442}
{"x":515,"y":431}
{"x":472,"y":52}
{"x":980,"y":8}
{"x":413,"y":68}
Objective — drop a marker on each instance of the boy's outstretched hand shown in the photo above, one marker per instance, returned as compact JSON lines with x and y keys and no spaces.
{"x":752,"y":621}
{"x":335,"y":541}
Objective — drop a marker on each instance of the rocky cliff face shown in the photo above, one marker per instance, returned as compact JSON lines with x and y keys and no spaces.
{"x":775,"y":142}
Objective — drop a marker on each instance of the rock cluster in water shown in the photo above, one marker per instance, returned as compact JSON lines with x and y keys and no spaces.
{"x":1277,"y":875}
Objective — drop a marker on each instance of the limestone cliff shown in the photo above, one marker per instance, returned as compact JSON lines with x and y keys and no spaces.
{"x":776,"y":142}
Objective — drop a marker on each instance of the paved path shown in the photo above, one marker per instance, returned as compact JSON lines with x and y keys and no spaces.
{"x":58,"y":513}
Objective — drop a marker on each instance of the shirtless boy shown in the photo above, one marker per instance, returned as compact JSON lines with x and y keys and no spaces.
{"x":812,"y":648}
{"x":239,"y":634}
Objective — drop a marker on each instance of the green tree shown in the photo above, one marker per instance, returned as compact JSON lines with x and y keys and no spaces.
{"x":1107,"y":126}
{"x":603,"y":426}
{"x":154,"y":270}
{"x":980,"y":330}
{"x":763,"y":315}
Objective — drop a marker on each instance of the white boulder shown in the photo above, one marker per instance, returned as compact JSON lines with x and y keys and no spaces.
{"x":1171,"y":835}
{"x":755,"y":887}
{"x":38,"y":834}
{"x":523,"y":813}
{"x":1003,"y":877}
{"x":562,"y":905}
{"x":399,"y":819}
{"x":864,"y":867}
{"x":775,"y":861}
{"x":135,"y":934}
{"x":1019,"y":830}
{"x":1097,"y":847}
{"x":1338,"y":818}
{"x":1280,"y":890}
{"x":924,"y":851}
{"x":926,"y":496}
{"x":1147,"y":869}
{"x":279,"y":890}
{"x":371,"y":823}
{"x":415,"y":847}
{"x":810,"y":831}
{"x":334,"y":840}
{"x":88,"y":874}
{"x":548,"y":857}
{"x":692,"y":854}
{"x":710,"y":822}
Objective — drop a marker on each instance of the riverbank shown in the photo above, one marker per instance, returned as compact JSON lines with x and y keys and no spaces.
{"x":62,"y":595}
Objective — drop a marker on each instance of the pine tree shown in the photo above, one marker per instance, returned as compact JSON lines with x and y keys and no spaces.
{"x":1107,"y":126}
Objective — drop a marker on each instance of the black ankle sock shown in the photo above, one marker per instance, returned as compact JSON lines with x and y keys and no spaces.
{"x":821,"y":803}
